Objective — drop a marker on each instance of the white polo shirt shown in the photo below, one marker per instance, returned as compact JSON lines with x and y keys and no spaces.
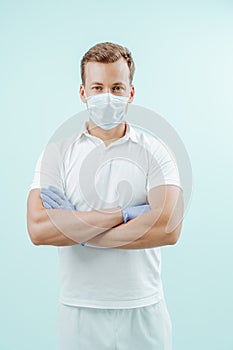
{"x":95,"y":176}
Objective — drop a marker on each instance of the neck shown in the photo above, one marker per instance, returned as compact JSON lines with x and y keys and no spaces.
{"x":106,"y":135}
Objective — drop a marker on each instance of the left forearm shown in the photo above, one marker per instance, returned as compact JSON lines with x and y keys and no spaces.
{"x":145,"y":231}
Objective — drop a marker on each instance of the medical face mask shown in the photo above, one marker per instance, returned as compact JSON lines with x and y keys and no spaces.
{"x":107,"y":110}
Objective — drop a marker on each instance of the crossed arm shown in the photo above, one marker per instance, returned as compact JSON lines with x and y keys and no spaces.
{"x":158,"y":227}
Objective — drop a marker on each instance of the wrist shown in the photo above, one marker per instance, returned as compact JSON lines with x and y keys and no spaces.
{"x":125,"y":215}
{"x":120,"y":214}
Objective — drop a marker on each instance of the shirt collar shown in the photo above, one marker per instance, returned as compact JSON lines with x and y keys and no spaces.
{"x":130,"y":132}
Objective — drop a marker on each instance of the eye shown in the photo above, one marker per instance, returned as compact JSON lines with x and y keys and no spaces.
{"x":96,"y":88}
{"x":118,"y":88}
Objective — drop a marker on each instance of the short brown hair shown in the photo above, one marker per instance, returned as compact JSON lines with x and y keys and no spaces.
{"x":107,"y":52}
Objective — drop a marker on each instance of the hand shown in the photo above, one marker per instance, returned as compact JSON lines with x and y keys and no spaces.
{"x":134,"y":211}
{"x":53,"y":199}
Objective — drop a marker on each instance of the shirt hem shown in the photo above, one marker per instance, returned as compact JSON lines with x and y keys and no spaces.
{"x":119,"y":304}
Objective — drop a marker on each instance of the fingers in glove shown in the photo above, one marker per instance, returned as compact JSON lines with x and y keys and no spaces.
{"x":147,"y":208}
{"x":46,"y":205}
{"x":57,"y":191}
{"x":49,"y":201}
{"x":64,"y":201}
{"x":52,"y":195}
{"x":144,"y":209}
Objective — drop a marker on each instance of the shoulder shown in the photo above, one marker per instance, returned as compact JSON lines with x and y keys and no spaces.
{"x":151,"y":142}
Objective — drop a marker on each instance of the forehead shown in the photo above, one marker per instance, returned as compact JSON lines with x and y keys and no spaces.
{"x":107,"y":72}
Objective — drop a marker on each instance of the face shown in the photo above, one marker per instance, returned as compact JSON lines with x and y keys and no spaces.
{"x":107,"y":77}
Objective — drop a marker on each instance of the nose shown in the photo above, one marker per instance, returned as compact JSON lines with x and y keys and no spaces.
{"x":106,"y":89}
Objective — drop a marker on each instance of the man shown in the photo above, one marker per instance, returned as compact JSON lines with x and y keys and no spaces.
{"x":110,"y":298}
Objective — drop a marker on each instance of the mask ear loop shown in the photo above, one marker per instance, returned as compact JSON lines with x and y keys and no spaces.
{"x":85,"y":95}
{"x":127,"y":105}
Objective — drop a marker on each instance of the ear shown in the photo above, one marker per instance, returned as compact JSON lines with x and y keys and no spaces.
{"x":82,"y":93}
{"x":132,"y":93}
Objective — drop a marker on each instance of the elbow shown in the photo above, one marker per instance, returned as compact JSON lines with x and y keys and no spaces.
{"x":35,"y":242}
{"x":173,"y":229}
{"x":173,"y":237}
{"x":34,"y":228}
{"x":33,"y":234}
{"x":35,"y":216}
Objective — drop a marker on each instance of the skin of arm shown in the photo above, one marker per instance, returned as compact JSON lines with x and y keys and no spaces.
{"x":66,"y":227}
{"x":159,"y":227}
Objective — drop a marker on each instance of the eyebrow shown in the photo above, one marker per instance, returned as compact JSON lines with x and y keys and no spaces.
{"x":97,"y":83}
{"x":119,"y":83}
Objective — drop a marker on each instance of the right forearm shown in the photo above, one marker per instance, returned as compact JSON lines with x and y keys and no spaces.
{"x":67,"y":227}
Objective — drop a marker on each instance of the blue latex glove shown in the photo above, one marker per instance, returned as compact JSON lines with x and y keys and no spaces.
{"x":54,"y":199}
{"x":134,"y":211}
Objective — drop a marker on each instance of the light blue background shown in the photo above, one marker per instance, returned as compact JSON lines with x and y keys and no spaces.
{"x":183,"y":53}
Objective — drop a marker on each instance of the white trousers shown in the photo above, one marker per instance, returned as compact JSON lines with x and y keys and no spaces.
{"x":142,"y":328}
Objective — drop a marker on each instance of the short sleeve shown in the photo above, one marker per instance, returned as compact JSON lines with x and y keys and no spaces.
{"x":162,"y":168}
{"x":48,"y":170}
